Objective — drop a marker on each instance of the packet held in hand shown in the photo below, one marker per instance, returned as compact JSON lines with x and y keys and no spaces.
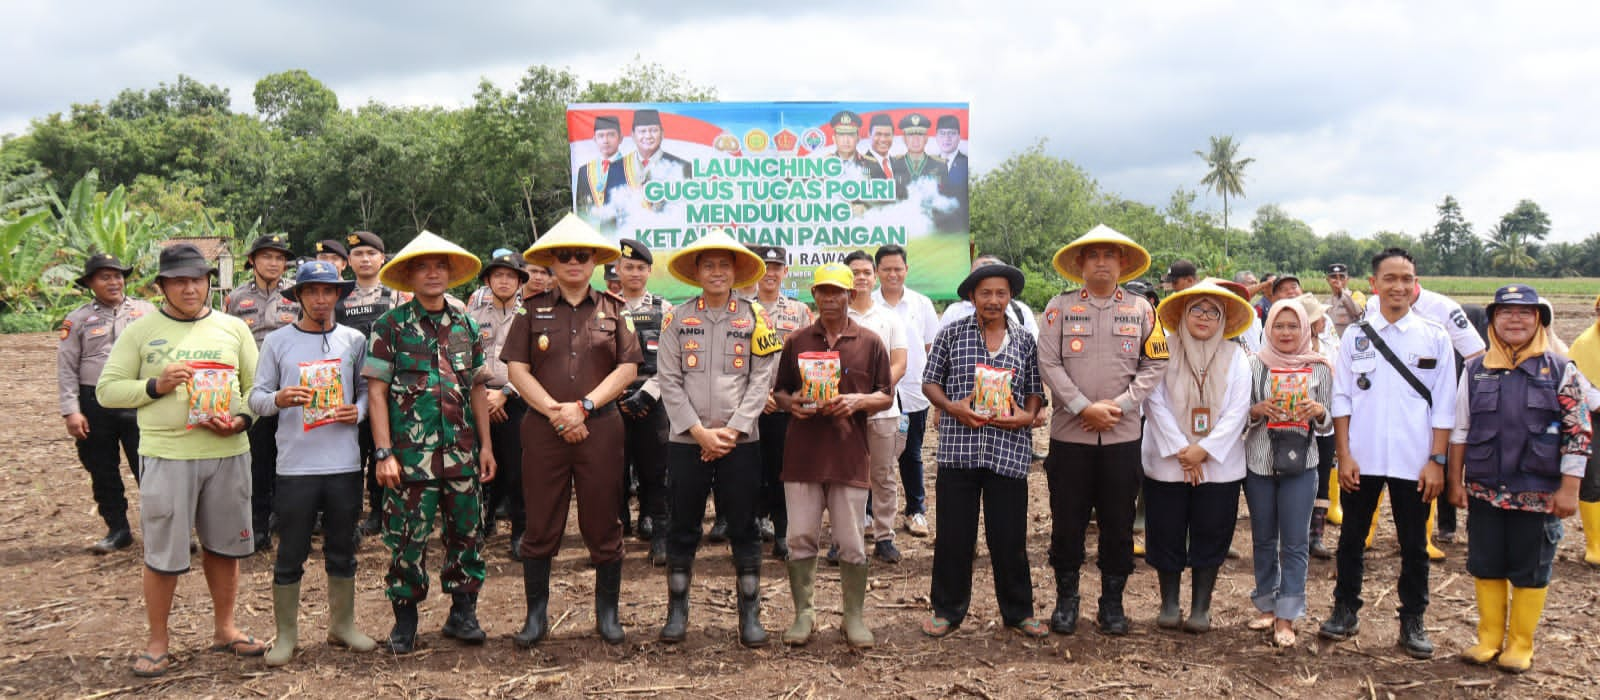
{"x":210,"y":391}
{"x":326,"y":383}
{"x":1290,"y":390}
{"x":819,"y":378}
{"x":991,"y":391}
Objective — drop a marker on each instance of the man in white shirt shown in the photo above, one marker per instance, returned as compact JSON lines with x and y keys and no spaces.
{"x":1387,"y":434}
{"x":882,"y":426}
{"x":1017,"y":311}
{"x":921,"y":323}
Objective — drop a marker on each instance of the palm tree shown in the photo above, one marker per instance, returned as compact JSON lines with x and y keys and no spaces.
{"x":1226,"y":175}
{"x":1508,"y":249}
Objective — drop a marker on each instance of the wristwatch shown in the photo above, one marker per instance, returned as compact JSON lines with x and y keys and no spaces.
{"x":1438,"y":459}
{"x":586,"y":405}
{"x":382,"y":453}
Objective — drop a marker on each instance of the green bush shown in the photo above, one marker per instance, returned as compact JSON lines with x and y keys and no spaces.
{"x":26,"y":323}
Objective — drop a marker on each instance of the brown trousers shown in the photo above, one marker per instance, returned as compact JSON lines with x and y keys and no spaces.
{"x":553,"y":469}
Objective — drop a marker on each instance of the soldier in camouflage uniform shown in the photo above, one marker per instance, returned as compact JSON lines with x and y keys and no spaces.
{"x":434,"y":446}
{"x":261,"y":305}
{"x":359,"y":310}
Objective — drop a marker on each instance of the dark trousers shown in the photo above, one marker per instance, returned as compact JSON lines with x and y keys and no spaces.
{"x":263,"y":470}
{"x":645,"y":445}
{"x":1517,"y":545}
{"x":735,"y":480}
{"x":1189,"y":526}
{"x":1589,"y":490}
{"x":911,"y":463}
{"x":774,"y":427}
{"x":553,"y":471}
{"x":506,"y":489}
{"x":1005,"y":522}
{"x":1410,"y":522}
{"x":1325,"y":453}
{"x":369,"y":466}
{"x":109,"y":429}
{"x":298,"y":500}
{"x":1099,"y":478}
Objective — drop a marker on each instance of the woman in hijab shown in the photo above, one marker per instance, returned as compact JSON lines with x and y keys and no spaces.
{"x":1291,"y":387}
{"x":1193,"y":458}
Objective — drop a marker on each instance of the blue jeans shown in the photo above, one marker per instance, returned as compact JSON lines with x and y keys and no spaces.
{"x":1280,"y":527}
{"x":911,"y":463}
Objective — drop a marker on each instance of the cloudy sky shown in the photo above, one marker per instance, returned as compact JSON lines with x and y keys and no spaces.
{"x":1361,"y":115}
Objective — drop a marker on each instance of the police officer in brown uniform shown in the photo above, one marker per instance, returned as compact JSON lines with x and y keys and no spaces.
{"x":260,"y":303}
{"x":334,"y":253}
{"x":642,"y":417}
{"x":788,"y":315}
{"x":717,"y":361}
{"x":571,"y":355}
{"x":494,"y":311}
{"x":359,"y":310}
{"x":846,"y":136}
{"x":1101,"y":354}
{"x":86,"y":338}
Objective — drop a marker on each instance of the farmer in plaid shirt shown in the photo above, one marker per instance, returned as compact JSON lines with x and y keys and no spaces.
{"x":983,"y":458}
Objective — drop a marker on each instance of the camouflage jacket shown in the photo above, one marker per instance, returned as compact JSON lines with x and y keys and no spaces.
{"x":430,"y":362}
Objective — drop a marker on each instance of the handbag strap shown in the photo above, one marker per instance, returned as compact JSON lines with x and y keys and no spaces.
{"x":1383,"y":349}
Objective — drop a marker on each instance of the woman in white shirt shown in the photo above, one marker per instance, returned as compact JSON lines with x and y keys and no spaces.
{"x":1193,"y":456}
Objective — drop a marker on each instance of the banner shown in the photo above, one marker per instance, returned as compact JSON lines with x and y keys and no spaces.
{"x":818,"y":179}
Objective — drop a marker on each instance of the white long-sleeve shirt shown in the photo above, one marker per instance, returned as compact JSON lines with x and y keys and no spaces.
{"x":1165,"y":433}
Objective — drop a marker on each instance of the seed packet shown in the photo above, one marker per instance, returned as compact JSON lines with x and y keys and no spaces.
{"x":991,"y":393}
{"x":819,"y":378}
{"x":326,"y":383}
{"x":210,"y":391}
{"x":1290,"y":390}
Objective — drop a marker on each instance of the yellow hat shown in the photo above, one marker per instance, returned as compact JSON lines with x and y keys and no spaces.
{"x":571,"y":232}
{"x":1237,"y":310}
{"x":1137,"y":259}
{"x":463,"y":265}
{"x":833,"y":275}
{"x":747,"y":266}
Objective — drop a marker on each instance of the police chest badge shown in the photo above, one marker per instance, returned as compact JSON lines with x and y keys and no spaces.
{"x":544,"y":342}
{"x":691,"y":360}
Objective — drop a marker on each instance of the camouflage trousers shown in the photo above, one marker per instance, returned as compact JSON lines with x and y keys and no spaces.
{"x":408,"y":513}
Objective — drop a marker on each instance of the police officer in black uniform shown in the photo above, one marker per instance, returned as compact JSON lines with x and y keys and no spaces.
{"x":360,"y":310}
{"x":642,"y":418}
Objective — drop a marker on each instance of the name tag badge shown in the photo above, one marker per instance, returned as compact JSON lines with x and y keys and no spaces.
{"x":1427,"y":362}
{"x":1200,"y":421}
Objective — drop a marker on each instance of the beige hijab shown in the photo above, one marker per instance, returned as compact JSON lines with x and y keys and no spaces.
{"x":1197,"y":373}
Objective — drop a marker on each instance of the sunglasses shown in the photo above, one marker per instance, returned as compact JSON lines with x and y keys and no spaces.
{"x":567,"y":256}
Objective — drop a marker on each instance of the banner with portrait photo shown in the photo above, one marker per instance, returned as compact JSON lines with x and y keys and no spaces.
{"x":819,"y":179}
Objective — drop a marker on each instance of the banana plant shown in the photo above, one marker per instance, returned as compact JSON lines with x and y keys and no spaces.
{"x":30,"y":260}
{"x":90,"y":223}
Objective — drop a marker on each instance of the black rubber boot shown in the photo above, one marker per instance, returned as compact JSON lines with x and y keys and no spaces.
{"x":1065,"y":618}
{"x":403,"y":638}
{"x":1110,"y":616}
{"x":1319,"y":523}
{"x":462,"y":624}
{"x":658,"y":550}
{"x":607,"y":588}
{"x":1201,"y":584}
{"x":1414,"y":638}
{"x":1171,"y":617}
{"x":536,"y":590}
{"x":751,"y":633}
{"x":677,"y":627}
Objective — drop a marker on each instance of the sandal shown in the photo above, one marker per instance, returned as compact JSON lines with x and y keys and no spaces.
{"x":246,"y":646}
{"x":937,"y":627}
{"x":1031,"y":628}
{"x":1262,"y":622}
{"x":1283,"y":638}
{"x":157,"y":665}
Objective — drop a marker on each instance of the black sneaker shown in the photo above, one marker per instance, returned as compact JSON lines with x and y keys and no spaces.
{"x":1413,"y":638}
{"x":884,"y":551}
{"x":1342,"y":624}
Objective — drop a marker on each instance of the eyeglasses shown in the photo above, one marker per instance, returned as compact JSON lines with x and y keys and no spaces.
{"x":566,"y":256}
{"x":1205,"y":314}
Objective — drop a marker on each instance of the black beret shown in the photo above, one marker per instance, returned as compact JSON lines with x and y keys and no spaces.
{"x":634,"y":250}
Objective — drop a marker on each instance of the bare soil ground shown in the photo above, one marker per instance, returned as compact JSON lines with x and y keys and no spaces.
{"x":70,"y":621}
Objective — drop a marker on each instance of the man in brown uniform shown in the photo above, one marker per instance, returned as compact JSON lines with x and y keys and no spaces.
{"x":86,"y":338}
{"x":1100,"y":355}
{"x":261,"y":305}
{"x":571,"y":354}
{"x":494,"y":311}
{"x":827,"y":465}
{"x":716,"y":362}
{"x":788,"y":315}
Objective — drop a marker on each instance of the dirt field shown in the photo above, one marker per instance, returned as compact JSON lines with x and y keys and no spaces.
{"x":73,"y":620}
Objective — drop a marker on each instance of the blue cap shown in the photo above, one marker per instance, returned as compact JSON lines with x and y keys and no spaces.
{"x":1519,"y":295}
{"x":318,"y":272}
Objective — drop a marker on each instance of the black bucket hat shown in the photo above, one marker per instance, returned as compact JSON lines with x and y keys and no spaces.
{"x":102,"y":261}
{"x":184,"y":260}
{"x":1012,"y":275}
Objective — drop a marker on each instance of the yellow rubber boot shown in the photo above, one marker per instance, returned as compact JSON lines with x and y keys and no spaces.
{"x":1335,"y":513}
{"x":1494,"y":599}
{"x":1590,"y":512}
{"x":1373,"y":531}
{"x":1527,"y":605}
{"x":1434,"y":553}
{"x":1138,"y":547}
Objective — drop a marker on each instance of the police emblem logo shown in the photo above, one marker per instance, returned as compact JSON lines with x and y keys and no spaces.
{"x":1050,"y":317}
{"x":691,"y":360}
{"x":741,"y":323}
{"x":691,"y":346}
{"x":756,"y":140}
{"x":319,"y":246}
{"x":1078,"y":309}
{"x":916,"y":120}
{"x":353,"y":239}
{"x":1362,"y":343}
{"x":844,"y":120}
{"x":738,"y":348}
{"x":627,"y":251}
{"x":1076,"y":345}
{"x":66,"y":329}
{"x":738,"y":363}
{"x":727,"y":143}
{"x":692,"y":321}
{"x":1127,"y":345}
{"x":247,"y":303}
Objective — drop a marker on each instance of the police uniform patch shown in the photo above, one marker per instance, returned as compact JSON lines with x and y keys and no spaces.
{"x":1078,"y":309}
{"x":691,"y":346}
{"x":1127,"y":345}
{"x":738,"y":363}
{"x":1050,"y":316}
{"x":1363,"y":342}
{"x":1458,"y":318}
{"x":692,"y":321}
{"x":741,"y":323}
{"x":247,"y":303}
{"x":1155,"y":347}
{"x":691,"y":360}
{"x":97,"y":332}
{"x":66,"y":329}
{"x":136,"y":313}
{"x":666,"y":320}
{"x":1075,"y":345}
